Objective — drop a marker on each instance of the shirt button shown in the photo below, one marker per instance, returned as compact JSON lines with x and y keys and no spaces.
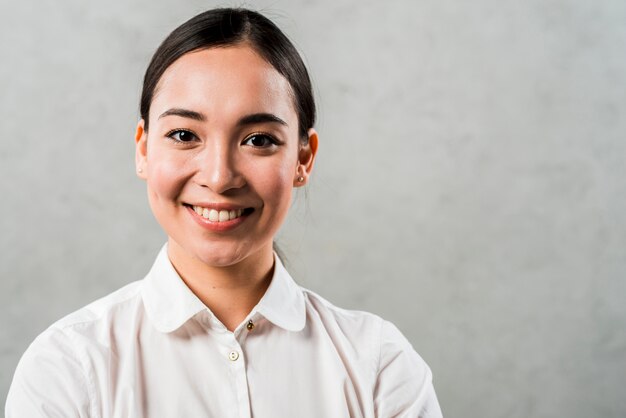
{"x":233,"y":356}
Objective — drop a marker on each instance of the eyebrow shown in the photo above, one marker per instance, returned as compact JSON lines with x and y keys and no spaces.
{"x":185,"y":113}
{"x":260,"y":118}
{"x":251,"y":119}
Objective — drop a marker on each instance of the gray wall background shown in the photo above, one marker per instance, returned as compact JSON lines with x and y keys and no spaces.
{"x":470,"y":186}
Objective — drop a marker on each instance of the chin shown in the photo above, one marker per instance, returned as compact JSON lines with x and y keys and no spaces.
{"x":226,"y":254}
{"x":219,"y":254}
{"x":219,"y":260}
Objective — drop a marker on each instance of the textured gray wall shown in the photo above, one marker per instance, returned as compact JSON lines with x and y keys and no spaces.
{"x":470,"y":187}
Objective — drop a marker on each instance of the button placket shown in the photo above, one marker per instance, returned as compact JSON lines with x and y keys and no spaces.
{"x":233,"y":355}
{"x":237,"y":368}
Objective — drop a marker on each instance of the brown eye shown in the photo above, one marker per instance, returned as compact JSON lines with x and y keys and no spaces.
{"x":260,"y":141}
{"x":181,"y":135}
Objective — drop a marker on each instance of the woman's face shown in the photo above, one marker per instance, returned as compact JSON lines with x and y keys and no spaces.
{"x":222,"y":154}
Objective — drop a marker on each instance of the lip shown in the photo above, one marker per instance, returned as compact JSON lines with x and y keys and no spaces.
{"x":217,"y":226}
{"x":216,"y":206}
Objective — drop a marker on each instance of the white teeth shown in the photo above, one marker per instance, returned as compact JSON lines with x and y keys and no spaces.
{"x":217,"y":216}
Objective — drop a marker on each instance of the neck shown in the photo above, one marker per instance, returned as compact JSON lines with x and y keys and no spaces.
{"x":230,"y":292}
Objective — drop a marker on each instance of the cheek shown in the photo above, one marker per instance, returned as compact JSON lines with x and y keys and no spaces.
{"x":275,"y":182}
{"x":166,"y":175}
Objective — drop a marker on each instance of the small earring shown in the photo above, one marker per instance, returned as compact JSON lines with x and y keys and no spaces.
{"x":140,"y":170}
{"x":300,"y":179}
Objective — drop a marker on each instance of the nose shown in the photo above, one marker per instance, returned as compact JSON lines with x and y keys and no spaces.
{"x":218,"y":169}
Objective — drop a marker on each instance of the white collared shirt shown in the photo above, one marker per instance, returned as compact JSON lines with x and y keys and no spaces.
{"x":153,"y":349}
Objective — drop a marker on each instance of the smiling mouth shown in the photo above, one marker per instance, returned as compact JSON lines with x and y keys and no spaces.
{"x":214,"y":215}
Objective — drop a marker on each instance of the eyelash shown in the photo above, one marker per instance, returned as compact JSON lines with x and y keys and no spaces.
{"x":272,"y":139}
{"x":172,"y":133}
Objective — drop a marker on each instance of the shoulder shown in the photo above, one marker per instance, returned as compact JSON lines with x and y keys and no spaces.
{"x":365,"y":330}
{"x":93,"y":318}
{"x":53,"y":373}
{"x":100,"y":309}
{"x":93,"y":328}
{"x":354,"y":320}
{"x":402,"y":379}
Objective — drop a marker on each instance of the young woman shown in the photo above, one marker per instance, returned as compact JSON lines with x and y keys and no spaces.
{"x":218,"y":328}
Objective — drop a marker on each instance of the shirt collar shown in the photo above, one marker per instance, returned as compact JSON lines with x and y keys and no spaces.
{"x":170,"y":303}
{"x":283,"y":302}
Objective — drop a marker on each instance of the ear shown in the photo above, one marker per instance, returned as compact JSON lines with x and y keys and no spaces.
{"x":141,"y":150}
{"x":306,"y":158}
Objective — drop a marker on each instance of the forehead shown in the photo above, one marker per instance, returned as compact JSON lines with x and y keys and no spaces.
{"x":222,"y":82}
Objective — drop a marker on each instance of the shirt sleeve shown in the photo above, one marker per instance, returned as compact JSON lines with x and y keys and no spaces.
{"x":404,"y":387}
{"x":49,"y":381}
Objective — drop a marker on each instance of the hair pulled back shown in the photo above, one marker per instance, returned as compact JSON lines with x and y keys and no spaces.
{"x":232,"y":26}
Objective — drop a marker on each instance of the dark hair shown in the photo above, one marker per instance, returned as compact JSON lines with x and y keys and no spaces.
{"x":231,"y":26}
